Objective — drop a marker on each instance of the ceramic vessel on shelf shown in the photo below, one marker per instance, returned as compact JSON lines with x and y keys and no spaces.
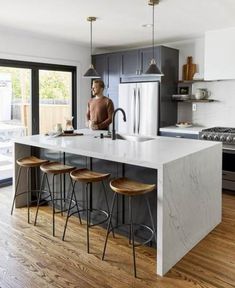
{"x":201,"y":93}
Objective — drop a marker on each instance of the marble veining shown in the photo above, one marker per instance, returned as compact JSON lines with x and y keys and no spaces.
{"x":188,"y":183}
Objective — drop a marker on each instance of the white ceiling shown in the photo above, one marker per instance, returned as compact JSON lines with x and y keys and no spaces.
{"x":119,"y":22}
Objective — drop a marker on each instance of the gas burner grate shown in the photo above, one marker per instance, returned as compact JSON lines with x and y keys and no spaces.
{"x":220,"y":130}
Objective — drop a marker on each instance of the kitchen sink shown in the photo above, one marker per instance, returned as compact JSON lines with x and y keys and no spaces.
{"x":132,"y":138}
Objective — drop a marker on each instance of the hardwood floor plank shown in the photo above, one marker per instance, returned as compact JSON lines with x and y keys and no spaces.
{"x":31,"y":257}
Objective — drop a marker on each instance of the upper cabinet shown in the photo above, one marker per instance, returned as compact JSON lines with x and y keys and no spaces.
{"x":130,"y":64}
{"x":136,"y":62}
{"x":219,"y":54}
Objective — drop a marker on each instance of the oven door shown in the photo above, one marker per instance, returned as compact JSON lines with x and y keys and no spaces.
{"x":228,"y":169}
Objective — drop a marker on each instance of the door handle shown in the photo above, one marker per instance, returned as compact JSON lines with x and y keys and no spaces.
{"x":138,"y":111}
{"x":134,"y":111}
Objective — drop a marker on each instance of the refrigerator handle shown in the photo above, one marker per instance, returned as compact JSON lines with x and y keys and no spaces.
{"x":134,"y":111}
{"x":138,"y":111}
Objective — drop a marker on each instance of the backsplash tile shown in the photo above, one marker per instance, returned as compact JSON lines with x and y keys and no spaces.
{"x":218,"y":113}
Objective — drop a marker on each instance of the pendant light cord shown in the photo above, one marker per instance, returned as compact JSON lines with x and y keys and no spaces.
{"x":153,"y":33}
{"x":91,"y":40}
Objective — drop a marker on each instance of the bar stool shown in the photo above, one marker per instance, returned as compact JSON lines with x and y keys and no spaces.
{"x":88,"y":177}
{"x":28,"y":163}
{"x":54,"y":169}
{"x":130,"y":188}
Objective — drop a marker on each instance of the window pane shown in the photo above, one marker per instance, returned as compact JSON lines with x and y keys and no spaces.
{"x":15,"y":91}
{"x":55,"y":98}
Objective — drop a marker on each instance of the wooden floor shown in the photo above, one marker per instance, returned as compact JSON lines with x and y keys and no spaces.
{"x":31,"y":257}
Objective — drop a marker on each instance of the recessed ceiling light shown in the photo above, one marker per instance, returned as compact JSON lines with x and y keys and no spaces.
{"x":147,"y":25}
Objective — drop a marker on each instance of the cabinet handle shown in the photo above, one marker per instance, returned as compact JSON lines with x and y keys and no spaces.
{"x":178,"y":136}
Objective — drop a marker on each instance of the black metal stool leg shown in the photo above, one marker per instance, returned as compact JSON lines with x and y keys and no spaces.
{"x":109,"y":224}
{"x":39,"y":198}
{"x":107,"y":204}
{"x":151,"y":219}
{"x":132,"y":235}
{"x":130,"y":216}
{"x":61,"y":196}
{"x":76,"y":202}
{"x":87,"y":218}
{"x":53,"y":205}
{"x":70,"y":204}
{"x":16,"y":189}
{"x":28,"y":184}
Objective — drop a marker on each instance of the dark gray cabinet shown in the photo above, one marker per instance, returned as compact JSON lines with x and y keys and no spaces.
{"x":113,"y":77}
{"x":100,"y":62}
{"x":179,"y":135}
{"x":146,"y":56}
{"x":108,"y":67}
{"x":129,"y":66}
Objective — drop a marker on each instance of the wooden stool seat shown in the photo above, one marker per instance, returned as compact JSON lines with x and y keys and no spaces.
{"x":130,"y":187}
{"x":85,"y":175}
{"x":30,"y":162}
{"x":56,"y":168}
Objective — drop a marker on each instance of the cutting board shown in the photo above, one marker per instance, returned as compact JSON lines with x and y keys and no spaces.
{"x":189,"y":69}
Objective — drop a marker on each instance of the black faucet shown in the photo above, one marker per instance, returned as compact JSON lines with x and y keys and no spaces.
{"x":113,"y":121}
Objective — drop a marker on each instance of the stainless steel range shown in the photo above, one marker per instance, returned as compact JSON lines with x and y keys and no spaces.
{"x":227,"y":136}
{"x":222,"y":134}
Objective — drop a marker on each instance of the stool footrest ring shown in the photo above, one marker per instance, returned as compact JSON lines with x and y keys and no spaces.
{"x":140,"y":225}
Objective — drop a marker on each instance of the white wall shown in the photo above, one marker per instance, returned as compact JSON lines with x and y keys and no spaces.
{"x":28,"y":48}
{"x":194,"y":48}
{"x":218,"y":113}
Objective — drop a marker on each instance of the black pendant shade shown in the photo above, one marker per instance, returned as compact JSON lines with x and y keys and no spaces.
{"x":91,"y":72}
{"x":153,"y":69}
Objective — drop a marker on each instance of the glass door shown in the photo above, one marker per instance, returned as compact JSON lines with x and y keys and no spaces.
{"x":55,"y":99}
{"x":15,"y":110}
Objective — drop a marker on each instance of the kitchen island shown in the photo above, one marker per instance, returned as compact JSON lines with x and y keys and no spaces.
{"x":189,"y":176}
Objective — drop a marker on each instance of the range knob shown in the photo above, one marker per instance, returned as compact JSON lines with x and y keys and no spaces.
{"x":204,"y":137}
{"x":222,"y":138}
{"x":210,"y":136}
{"x":229,"y":139}
{"x":216,"y":137}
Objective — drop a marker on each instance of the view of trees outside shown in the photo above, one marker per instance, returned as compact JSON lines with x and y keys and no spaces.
{"x":55,"y":85}
{"x":55,"y":95}
{"x":20,"y":82}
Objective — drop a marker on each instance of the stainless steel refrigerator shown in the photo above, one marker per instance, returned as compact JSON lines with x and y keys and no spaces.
{"x":140,"y":101}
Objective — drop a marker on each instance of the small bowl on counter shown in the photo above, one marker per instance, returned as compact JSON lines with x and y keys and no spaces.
{"x":184,"y":124}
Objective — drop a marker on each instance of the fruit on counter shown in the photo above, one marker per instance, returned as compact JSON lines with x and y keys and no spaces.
{"x":184,"y":123}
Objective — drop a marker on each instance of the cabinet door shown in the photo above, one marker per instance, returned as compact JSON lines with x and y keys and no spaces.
{"x":219,"y":54}
{"x":101,"y":66}
{"x":130,"y":63}
{"x":114,"y":61}
{"x":146,"y":56}
{"x":113,"y":77}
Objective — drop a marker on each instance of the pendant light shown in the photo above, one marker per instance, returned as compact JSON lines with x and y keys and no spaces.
{"x":91,"y":72}
{"x":153,"y":69}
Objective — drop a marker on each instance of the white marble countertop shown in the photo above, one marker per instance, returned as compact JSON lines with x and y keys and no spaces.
{"x":152,"y":154}
{"x":189,"y":130}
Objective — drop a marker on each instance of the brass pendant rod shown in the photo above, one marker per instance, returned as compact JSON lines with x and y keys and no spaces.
{"x":153,"y":33}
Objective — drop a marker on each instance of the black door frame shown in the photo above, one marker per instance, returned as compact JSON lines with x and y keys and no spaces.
{"x":35,"y":67}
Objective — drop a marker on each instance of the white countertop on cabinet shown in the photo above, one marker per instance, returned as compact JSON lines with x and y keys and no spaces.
{"x":189,"y":130}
